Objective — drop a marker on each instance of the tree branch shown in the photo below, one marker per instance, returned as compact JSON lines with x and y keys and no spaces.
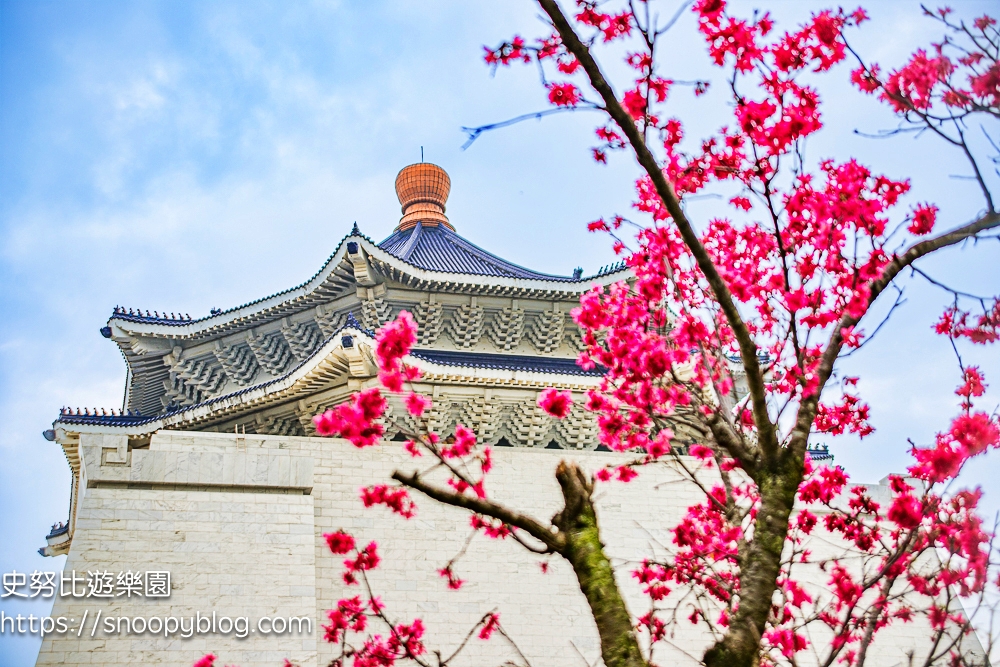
{"x":807,"y":411}
{"x":748,"y":349}
{"x":730,"y":441}
{"x":548,"y":535}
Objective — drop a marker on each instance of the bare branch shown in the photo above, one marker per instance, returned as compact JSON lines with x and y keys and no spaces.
{"x":474,"y":132}
{"x":548,"y":535}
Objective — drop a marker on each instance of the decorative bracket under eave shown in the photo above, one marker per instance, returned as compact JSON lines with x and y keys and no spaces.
{"x":364,"y":274}
{"x":360,"y":361}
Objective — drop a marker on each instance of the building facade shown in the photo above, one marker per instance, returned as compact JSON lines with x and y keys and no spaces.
{"x":213,"y":471}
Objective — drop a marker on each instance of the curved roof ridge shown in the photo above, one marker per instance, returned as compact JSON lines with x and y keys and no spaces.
{"x":119,"y":315}
{"x":434,"y":245}
{"x":411,"y":243}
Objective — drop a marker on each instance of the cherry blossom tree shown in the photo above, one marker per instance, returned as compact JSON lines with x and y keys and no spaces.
{"x":723,"y":351}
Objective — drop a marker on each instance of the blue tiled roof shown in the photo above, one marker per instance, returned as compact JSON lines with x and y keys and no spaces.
{"x":819,"y":452}
{"x":511,"y":362}
{"x":440,"y":249}
{"x":58,"y":530}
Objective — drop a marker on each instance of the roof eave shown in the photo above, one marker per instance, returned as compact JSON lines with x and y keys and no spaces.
{"x":300,"y":380}
{"x":253,"y":310}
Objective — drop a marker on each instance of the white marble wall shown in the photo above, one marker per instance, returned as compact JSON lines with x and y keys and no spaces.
{"x":239,"y":523}
{"x":243,"y":547}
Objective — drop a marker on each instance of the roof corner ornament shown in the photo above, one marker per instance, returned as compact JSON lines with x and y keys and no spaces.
{"x":355,"y":231}
{"x":423,"y":189}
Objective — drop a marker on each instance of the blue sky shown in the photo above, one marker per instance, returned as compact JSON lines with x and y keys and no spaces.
{"x":180,"y":156}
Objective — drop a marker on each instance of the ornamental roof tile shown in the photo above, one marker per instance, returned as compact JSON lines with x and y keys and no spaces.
{"x":819,"y":452}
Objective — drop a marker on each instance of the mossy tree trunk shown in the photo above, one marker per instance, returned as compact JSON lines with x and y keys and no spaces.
{"x":585,"y":552}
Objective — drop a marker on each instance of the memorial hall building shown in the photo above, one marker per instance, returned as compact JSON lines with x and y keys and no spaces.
{"x":214,"y":473}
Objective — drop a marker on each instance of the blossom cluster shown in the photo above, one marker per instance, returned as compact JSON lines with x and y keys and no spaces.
{"x":803,"y":250}
{"x":955,"y":77}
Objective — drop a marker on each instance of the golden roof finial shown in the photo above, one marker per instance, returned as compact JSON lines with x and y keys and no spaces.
{"x":423,"y":189}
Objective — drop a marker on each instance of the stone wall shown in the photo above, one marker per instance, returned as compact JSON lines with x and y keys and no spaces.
{"x":238,"y":521}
